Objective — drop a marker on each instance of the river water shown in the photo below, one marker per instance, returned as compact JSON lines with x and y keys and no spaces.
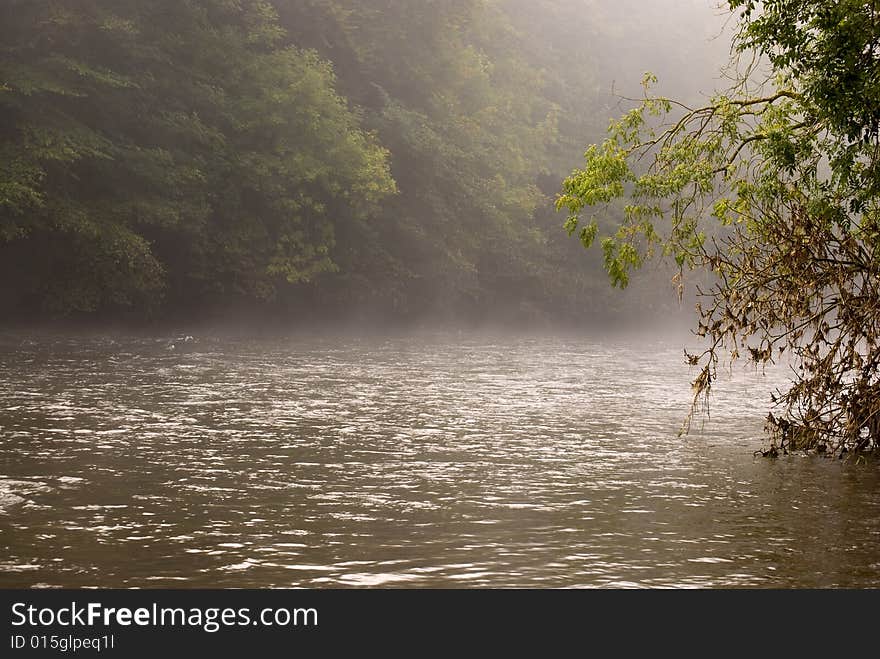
{"x":431,"y":461}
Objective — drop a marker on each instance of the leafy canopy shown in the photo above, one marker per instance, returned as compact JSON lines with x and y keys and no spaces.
{"x":170,"y":147}
{"x":772,"y":186}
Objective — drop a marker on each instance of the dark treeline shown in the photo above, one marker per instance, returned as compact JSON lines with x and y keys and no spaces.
{"x":168,"y":158}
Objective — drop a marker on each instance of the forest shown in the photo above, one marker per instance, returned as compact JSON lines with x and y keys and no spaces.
{"x":311,"y":159}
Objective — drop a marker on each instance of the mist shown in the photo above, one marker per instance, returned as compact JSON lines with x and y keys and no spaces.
{"x":373,"y":163}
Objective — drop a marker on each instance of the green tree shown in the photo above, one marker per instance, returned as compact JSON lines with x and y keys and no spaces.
{"x":773,"y":187}
{"x":442,"y":85}
{"x":169,"y":148}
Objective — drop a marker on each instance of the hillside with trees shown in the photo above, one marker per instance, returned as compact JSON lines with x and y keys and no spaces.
{"x":331,"y":159}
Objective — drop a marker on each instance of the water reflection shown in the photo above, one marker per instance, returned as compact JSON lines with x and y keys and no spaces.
{"x":406,"y":463}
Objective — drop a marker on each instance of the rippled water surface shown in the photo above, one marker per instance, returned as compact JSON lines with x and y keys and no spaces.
{"x":409,"y":462}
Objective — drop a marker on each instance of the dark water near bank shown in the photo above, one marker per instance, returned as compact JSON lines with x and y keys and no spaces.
{"x":411,"y":462}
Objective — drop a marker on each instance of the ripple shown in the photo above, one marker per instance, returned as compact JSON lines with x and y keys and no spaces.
{"x":406,"y":462}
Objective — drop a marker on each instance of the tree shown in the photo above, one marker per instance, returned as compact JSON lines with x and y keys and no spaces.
{"x":774,"y":188}
{"x":441,"y":84}
{"x":169,"y":148}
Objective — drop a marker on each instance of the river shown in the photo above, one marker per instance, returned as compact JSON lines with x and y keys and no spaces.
{"x":426,"y":461}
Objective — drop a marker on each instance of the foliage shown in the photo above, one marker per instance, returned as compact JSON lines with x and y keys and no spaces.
{"x":441,"y":83}
{"x":772,"y":186}
{"x":298,"y":157}
{"x":159,"y":145}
